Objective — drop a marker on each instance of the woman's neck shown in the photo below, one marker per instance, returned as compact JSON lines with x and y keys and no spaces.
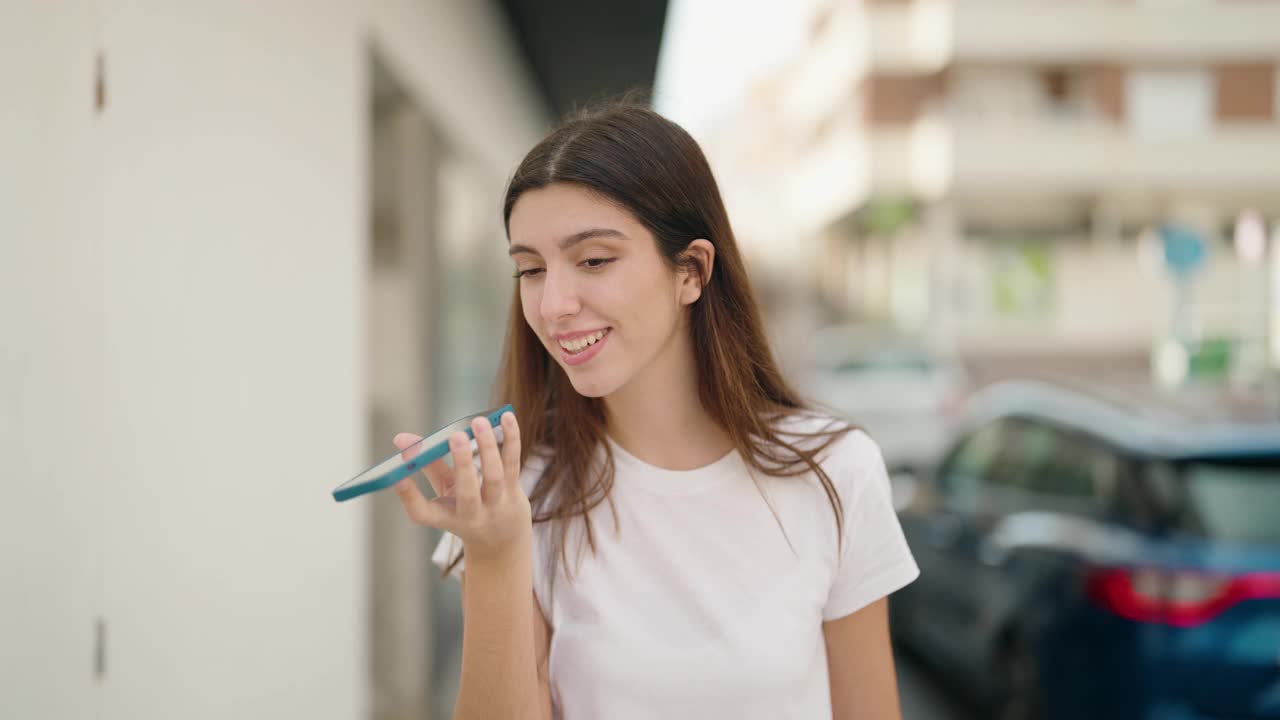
{"x":658,"y":417}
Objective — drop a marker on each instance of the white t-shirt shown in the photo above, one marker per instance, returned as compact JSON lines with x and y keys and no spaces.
{"x":697,"y":604}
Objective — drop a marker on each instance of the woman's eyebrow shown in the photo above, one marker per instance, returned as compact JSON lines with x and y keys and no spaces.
{"x":568,"y":242}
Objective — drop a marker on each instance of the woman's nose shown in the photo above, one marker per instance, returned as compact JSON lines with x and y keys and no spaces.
{"x":559,"y":296}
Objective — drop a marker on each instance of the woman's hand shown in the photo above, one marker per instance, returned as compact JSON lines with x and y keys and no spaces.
{"x":491,"y":518}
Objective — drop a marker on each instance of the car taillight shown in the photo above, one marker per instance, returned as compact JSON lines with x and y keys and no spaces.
{"x":1180,"y":598}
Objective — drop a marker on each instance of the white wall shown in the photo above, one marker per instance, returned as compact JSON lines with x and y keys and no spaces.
{"x":52,"y":343}
{"x":182,"y":289}
{"x":460,"y":61}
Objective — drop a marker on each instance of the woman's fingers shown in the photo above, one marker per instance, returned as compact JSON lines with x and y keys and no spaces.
{"x":462,"y":490}
{"x":511,"y":450}
{"x":422,"y":511}
{"x":466,"y":486}
{"x":490,"y":460}
{"x":441,"y":477}
{"x":438,"y":473}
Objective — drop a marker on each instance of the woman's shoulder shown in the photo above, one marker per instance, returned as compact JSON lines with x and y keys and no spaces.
{"x":844,"y":448}
{"x":805,"y":421}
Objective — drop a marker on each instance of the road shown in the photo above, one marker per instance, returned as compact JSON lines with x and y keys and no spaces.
{"x":922,"y":694}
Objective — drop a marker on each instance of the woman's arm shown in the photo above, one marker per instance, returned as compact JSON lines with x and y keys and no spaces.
{"x":505,"y":644}
{"x":864,"y":685}
{"x":542,"y":649}
{"x":499,"y":671}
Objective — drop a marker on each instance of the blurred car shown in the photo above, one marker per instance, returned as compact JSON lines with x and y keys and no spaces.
{"x":902,"y":390}
{"x":1087,"y":555}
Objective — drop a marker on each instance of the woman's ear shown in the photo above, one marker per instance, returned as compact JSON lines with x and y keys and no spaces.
{"x":701,"y":256}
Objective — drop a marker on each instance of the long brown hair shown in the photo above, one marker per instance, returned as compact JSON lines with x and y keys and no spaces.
{"x":648,"y":165}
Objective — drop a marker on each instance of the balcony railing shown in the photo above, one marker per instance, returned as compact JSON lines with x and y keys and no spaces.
{"x":934,"y":156}
{"x":927,"y":34}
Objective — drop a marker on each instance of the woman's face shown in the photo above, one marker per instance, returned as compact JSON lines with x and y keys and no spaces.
{"x":594,"y":288}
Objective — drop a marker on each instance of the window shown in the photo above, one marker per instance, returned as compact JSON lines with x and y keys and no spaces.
{"x":966,"y":470}
{"x":1233,"y":501}
{"x":1026,"y":448}
{"x":1019,"y":465}
{"x":1064,"y":466}
{"x":1078,"y":477}
{"x":1136,"y":504}
{"x":1168,"y":103}
{"x":1064,"y":92}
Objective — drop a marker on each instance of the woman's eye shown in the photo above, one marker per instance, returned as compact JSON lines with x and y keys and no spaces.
{"x":597,"y":263}
{"x":527,"y":273}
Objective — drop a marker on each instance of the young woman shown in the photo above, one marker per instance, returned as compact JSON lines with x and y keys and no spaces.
{"x":668,"y":531}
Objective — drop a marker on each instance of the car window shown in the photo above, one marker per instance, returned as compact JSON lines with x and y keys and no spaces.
{"x":1024,"y":447}
{"x":968,"y":468}
{"x":1067,"y":466}
{"x":1134,"y":502}
{"x":1043,"y":467}
{"x":1233,"y":501}
{"x":1079,"y":476}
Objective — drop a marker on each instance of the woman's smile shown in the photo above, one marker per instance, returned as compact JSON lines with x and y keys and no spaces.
{"x":583,"y":348}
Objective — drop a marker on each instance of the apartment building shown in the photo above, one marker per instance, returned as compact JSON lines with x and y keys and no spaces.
{"x":1000,"y":171}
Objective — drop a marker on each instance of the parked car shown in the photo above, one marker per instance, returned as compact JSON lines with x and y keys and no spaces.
{"x":1085,"y":556}
{"x":902,"y":390}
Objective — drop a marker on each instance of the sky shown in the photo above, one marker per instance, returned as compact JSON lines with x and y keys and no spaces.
{"x":712,"y":49}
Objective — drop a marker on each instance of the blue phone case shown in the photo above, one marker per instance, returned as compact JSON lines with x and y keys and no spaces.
{"x":396,"y":471}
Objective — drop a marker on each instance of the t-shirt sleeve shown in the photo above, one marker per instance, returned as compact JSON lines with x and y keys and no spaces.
{"x":874,"y":559}
{"x":449,"y":547}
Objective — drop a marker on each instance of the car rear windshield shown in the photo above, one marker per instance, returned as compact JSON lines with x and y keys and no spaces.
{"x":1237,"y":501}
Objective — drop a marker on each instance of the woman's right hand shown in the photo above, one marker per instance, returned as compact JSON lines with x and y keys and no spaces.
{"x":491,"y":518}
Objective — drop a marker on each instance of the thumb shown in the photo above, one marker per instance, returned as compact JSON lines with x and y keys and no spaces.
{"x":404,"y":440}
{"x":437,"y":513}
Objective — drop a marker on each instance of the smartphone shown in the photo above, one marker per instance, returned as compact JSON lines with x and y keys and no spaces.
{"x":417,"y":456}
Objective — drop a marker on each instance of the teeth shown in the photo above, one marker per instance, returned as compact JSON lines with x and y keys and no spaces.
{"x":581,"y":343}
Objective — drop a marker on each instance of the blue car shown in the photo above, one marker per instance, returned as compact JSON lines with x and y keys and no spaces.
{"x":1089,"y":555}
